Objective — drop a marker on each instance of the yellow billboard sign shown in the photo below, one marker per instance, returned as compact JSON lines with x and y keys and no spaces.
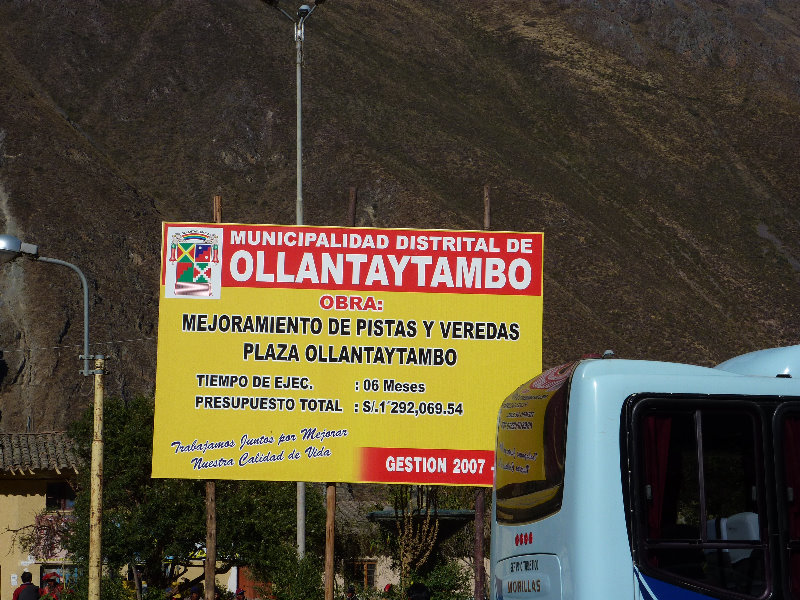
{"x":340,"y":354}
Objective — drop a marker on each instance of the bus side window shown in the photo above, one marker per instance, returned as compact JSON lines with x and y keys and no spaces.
{"x":697,"y":482}
{"x":671,"y":474}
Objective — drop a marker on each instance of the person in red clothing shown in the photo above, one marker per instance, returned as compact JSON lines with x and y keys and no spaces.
{"x":27,"y":591}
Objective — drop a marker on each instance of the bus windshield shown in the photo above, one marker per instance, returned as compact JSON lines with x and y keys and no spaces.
{"x":531,"y":441}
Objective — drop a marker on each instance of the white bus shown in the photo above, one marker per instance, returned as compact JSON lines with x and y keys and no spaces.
{"x":643,"y":480}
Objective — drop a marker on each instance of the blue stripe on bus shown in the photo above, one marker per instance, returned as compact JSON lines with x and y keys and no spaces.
{"x":655,"y":589}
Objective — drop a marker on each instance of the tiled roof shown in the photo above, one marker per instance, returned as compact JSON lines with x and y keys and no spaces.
{"x":28,"y":453}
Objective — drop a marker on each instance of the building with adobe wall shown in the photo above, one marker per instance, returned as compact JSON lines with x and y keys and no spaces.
{"x":36,"y":471}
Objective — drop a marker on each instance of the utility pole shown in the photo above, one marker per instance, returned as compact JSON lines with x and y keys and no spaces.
{"x":96,"y":487}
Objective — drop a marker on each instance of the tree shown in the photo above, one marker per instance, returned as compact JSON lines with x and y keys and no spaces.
{"x":415,"y":509}
{"x":159,"y":524}
{"x":418,"y":546}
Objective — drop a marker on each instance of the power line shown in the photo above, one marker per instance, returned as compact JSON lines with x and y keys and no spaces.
{"x":78,"y":346}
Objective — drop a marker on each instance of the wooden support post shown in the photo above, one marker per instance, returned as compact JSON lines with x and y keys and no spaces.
{"x":330,"y":518}
{"x":330,"y":521}
{"x":211,"y":539}
{"x":351,"y":208}
{"x":480,"y":506}
{"x":211,"y":489}
{"x":487,"y":208}
{"x":217,"y":209}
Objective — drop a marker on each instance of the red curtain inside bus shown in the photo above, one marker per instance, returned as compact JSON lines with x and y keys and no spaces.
{"x":656,"y":443}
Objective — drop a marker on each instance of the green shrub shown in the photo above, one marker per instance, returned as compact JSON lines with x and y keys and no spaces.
{"x":448,"y":580}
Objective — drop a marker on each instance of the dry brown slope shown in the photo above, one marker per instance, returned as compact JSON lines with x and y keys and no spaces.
{"x":665,"y":183}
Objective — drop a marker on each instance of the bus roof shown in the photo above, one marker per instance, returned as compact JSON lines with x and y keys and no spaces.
{"x":767,"y":372}
{"x":767,"y":363}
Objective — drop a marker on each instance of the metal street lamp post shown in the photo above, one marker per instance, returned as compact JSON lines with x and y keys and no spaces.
{"x":11,"y":248}
{"x":303,"y":13}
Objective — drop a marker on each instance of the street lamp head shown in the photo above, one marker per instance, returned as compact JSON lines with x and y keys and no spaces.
{"x":11,"y":247}
{"x":303,"y":11}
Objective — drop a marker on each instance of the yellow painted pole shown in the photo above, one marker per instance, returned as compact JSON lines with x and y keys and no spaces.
{"x":96,"y":476}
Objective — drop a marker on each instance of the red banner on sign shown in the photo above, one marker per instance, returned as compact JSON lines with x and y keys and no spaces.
{"x":399,"y":260}
{"x":416,"y":465}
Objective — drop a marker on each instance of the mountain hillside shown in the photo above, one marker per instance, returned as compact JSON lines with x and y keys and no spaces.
{"x":654,"y":142}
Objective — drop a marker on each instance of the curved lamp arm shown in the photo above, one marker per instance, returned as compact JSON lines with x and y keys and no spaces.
{"x":86,"y":371}
{"x":11,"y":248}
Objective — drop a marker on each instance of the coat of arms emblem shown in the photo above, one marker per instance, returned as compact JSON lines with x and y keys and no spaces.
{"x":195,"y":255}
